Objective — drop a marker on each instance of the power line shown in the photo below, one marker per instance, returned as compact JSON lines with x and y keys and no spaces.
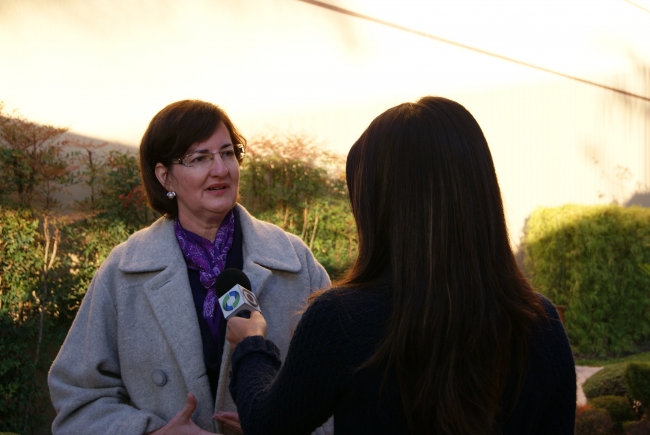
{"x":468,"y":47}
{"x":637,"y":5}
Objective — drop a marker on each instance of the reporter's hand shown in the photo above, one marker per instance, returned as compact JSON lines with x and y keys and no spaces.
{"x":230,"y":420}
{"x":182,"y":424}
{"x":240,"y":328}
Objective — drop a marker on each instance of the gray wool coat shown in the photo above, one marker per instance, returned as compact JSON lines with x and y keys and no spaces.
{"x":134,"y":350}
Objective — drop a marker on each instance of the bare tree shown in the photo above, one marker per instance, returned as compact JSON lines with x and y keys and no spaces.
{"x":93,"y":166}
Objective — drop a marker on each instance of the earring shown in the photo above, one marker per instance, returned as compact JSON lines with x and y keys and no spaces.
{"x":171,"y":195}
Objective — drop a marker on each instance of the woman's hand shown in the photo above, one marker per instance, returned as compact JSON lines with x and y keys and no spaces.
{"x":182,"y":424}
{"x":240,"y":328}
{"x":230,"y":420}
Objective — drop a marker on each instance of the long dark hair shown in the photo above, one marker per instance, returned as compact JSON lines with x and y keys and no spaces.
{"x":428,"y":209}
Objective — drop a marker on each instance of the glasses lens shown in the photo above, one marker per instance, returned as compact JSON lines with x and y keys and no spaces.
{"x":228,"y":156}
{"x":199,"y":159}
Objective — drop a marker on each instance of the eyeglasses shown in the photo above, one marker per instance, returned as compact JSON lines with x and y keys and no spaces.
{"x":204,"y":159}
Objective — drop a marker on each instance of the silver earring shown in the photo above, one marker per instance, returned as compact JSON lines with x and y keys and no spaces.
{"x":171,"y":195}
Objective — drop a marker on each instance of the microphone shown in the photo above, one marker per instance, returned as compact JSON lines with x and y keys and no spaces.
{"x":235,"y":298}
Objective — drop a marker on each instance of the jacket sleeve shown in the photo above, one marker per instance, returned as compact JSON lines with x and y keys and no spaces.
{"x":300,"y":395}
{"x":85,"y":379}
{"x":558,"y":417}
{"x":319,"y":280}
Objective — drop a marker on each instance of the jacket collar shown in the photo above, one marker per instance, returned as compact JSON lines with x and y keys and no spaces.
{"x":155,"y":248}
{"x":267,"y":245}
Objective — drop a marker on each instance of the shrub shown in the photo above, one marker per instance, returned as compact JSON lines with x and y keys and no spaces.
{"x":37,"y":308}
{"x":637,"y":427}
{"x":294,"y":183}
{"x":594,"y":422}
{"x":587,"y":258}
{"x":637,"y":381}
{"x":20,"y":403}
{"x":618,"y":407}
{"x":606,"y":382}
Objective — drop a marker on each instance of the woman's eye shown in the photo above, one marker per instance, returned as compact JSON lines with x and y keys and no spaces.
{"x":228,"y":154}
{"x":198,"y":159}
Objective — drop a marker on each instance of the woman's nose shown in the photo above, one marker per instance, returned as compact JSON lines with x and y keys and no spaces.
{"x":218,"y":168}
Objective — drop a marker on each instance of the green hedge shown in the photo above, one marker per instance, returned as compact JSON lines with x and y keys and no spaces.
{"x":637,"y":427}
{"x":610,"y":381}
{"x":637,"y":380}
{"x":594,"y":422}
{"x":588,"y":258}
{"x":618,"y":407}
{"x":617,"y":386}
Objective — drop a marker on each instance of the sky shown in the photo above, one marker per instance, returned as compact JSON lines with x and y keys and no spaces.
{"x":104,"y":68}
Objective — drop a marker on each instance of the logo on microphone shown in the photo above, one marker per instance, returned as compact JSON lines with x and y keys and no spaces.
{"x":229,"y":304}
{"x":250,"y":298}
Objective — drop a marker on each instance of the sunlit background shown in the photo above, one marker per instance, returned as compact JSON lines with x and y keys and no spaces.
{"x":104,"y":68}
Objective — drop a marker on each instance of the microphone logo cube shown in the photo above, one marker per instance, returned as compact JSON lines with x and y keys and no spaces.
{"x":250,"y":297}
{"x":236,"y":300}
{"x":232,"y":301}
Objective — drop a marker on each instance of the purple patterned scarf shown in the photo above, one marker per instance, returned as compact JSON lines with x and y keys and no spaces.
{"x":209,"y":258}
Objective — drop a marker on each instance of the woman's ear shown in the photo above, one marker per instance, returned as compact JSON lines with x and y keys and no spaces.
{"x":162,"y":173}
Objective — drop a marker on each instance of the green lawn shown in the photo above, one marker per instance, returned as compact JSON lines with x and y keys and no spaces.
{"x":598,"y":362}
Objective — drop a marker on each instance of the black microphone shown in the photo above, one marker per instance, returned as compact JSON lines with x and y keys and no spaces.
{"x":235,"y":298}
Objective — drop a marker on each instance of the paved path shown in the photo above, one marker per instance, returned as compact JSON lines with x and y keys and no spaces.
{"x":582,"y":374}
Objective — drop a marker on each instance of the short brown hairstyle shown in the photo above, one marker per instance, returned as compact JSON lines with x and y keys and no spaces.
{"x":170,"y":135}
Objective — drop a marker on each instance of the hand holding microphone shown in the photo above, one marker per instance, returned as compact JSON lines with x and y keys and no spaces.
{"x":239,"y":306}
{"x":240,"y":328}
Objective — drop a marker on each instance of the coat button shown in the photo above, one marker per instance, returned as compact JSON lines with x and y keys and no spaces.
{"x":158,"y":377}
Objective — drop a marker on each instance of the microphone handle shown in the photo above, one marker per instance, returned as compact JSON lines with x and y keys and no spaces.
{"x":245,"y":314}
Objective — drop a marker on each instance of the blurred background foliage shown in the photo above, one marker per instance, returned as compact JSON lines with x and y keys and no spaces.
{"x":298,"y":185}
{"x":591,"y":260}
{"x":49,"y":251}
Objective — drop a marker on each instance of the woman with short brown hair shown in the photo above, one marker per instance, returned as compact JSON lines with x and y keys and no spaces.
{"x":146,"y":352}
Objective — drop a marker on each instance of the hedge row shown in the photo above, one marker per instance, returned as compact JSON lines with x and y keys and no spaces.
{"x":589,"y":259}
{"x":622,"y":391}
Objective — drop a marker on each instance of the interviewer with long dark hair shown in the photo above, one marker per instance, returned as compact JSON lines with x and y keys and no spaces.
{"x":434,"y":329}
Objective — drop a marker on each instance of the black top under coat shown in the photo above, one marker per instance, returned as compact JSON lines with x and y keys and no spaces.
{"x":213,"y":349}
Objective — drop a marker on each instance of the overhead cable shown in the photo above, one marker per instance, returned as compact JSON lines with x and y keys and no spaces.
{"x":637,"y":5}
{"x":468,"y":47}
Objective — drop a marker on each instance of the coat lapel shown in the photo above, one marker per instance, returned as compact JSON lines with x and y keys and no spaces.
{"x":266,"y":248}
{"x":171,"y":301}
{"x":170,"y":298}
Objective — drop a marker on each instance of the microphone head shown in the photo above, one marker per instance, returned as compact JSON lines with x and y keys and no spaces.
{"x":228,"y":278}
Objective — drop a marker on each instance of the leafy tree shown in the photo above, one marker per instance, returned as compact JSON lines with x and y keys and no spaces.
{"x":294,"y":183}
{"x":41,"y":284}
{"x":33,"y":165}
{"x":285,"y":172}
{"x":121,"y":195}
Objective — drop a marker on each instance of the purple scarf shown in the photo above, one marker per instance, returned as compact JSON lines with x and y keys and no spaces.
{"x":209,"y":258}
